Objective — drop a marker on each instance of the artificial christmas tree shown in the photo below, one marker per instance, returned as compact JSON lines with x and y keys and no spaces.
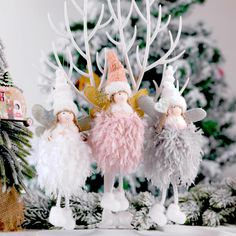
{"x":14,"y":148}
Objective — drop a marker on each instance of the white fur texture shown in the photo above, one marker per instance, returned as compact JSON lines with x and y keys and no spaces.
{"x":117,"y":86}
{"x":63,"y":163}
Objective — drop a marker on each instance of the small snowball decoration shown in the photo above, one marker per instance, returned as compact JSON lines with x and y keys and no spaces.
{"x":173,"y":147}
{"x":63,"y":163}
{"x":117,"y":136}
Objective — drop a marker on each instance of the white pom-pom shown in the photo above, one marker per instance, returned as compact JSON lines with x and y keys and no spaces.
{"x":109,"y":202}
{"x":175,"y":214}
{"x":120,"y":197}
{"x":56,"y":217}
{"x":69,"y":220}
{"x":157,"y":214}
{"x":62,"y":217}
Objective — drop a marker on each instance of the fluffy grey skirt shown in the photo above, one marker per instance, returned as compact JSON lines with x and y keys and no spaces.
{"x":172,"y":156}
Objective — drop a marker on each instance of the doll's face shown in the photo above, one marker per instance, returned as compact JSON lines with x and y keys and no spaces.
{"x":120,"y":97}
{"x":175,"y":110}
{"x":65,"y":117}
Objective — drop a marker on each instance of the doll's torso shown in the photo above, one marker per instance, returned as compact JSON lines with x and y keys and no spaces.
{"x":121,"y":108}
{"x":64,"y":130}
{"x":175,"y":122}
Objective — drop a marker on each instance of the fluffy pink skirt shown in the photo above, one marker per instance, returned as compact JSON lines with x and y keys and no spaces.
{"x":117,"y":142}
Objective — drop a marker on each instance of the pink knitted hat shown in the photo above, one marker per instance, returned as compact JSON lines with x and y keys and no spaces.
{"x":117,"y":80}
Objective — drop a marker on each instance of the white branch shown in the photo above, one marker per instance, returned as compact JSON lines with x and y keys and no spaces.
{"x":86,"y":43}
{"x":112,"y":40}
{"x":46,"y":60}
{"x":75,"y":67}
{"x":106,"y":23}
{"x":163,"y":59}
{"x":126,"y":21}
{"x":151,"y":3}
{"x":98,"y":63}
{"x":111,"y":9}
{"x":138,"y":58}
{"x":66,"y":76}
{"x":77,"y":7}
{"x":71,"y":64}
{"x":177,"y":84}
{"x":54,"y":28}
{"x":97,"y":26}
{"x":122,"y":43}
{"x":184,"y":87}
{"x":139,"y":12}
{"x":104,"y":73}
{"x":132,"y":40}
{"x":42,"y":73}
{"x":67,"y":23}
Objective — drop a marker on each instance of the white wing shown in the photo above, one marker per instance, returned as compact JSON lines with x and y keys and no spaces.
{"x":147,"y":104}
{"x":194,"y":115}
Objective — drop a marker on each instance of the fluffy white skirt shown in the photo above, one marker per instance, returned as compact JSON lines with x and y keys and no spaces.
{"x":63,"y":164}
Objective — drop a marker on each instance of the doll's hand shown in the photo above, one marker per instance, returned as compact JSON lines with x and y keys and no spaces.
{"x":50,"y":138}
{"x":84,"y":136}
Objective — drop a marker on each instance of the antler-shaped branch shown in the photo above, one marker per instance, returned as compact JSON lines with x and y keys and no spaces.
{"x":143,"y":66}
{"x":87,"y":36}
{"x":102,"y":70}
{"x":158,"y":89}
{"x":121,"y":24}
{"x":67,"y":77}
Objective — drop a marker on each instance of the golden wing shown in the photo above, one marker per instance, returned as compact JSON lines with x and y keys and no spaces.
{"x":133,"y":101}
{"x":97,"y":98}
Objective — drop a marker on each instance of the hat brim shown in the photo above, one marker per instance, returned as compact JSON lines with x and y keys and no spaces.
{"x":117,"y":86}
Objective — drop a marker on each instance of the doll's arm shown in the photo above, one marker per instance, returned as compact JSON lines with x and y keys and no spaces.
{"x":147,"y":104}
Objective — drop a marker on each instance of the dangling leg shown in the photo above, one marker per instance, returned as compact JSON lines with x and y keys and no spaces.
{"x":121,"y":182}
{"x":67,"y":202}
{"x":108,"y":182}
{"x":58,"y":200}
{"x":174,"y":213}
{"x":163,"y":196}
{"x":108,"y":199}
{"x":56,"y":217}
{"x":108,"y":202}
{"x":157,"y":211}
{"x":68,"y":215}
{"x":120,"y":195}
{"x":176,"y":194}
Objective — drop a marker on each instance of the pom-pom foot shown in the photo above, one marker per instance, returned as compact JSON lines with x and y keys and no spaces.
{"x":175,"y":214}
{"x":157,"y":214}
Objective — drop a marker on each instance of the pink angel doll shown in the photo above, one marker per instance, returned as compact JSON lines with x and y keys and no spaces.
{"x":173,"y":148}
{"x":63,"y":163}
{"x":116,"y":136}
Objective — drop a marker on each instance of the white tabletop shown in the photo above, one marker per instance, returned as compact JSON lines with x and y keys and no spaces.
{"x":170,"y":230}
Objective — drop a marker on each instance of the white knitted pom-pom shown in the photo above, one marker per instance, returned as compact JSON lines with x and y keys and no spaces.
{"x":175,"y":214}
{"x":157,"y":214}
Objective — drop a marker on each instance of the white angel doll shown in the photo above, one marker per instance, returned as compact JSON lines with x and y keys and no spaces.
{"x":63,"y":163}
{"x":173,"y":146}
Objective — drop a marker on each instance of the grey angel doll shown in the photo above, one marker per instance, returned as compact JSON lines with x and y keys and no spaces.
{"x":173,"y":148}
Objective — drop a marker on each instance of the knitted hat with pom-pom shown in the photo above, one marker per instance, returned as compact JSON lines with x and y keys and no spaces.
{"x":63,"y":97}
{"x":117,"y":80}
{"x":170,"y":96}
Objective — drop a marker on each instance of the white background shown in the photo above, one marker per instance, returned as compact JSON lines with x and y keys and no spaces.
{"x":25,"y":31}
